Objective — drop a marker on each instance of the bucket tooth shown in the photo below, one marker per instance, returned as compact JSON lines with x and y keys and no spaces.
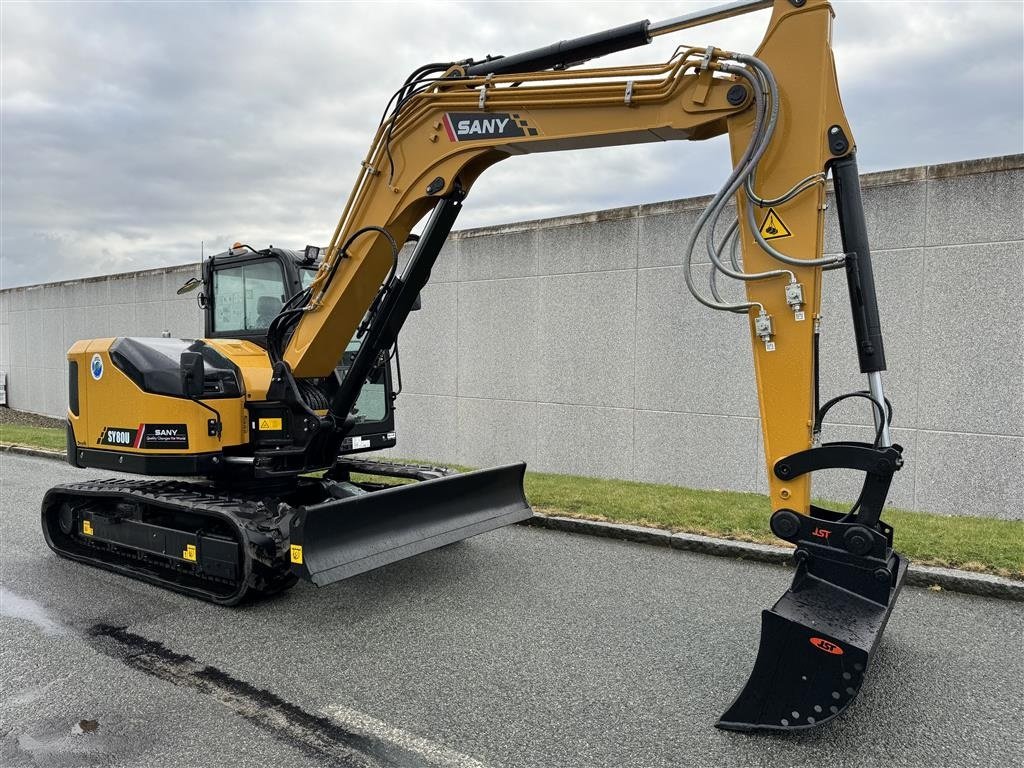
{"x":340,"y":538}
{"x":816,"y":644}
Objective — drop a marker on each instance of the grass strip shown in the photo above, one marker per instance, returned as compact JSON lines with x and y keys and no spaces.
{"x":955,"y":541}
{"x":34,"y":437}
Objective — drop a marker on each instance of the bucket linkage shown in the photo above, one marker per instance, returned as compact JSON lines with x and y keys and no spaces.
{"x":818,"y":639}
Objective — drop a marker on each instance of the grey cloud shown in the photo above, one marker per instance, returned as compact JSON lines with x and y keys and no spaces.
{"x":131,"y":132}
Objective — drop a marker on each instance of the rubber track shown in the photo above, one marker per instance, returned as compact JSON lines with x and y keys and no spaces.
{"x":170,"y":495}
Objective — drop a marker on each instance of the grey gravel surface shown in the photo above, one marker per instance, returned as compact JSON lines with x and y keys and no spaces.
{"x":26,"y":419}
{"x":522,"y":647}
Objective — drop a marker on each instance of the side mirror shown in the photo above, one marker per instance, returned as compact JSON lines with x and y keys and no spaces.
{"x":193,"y":374}
{"x":190,"y":285}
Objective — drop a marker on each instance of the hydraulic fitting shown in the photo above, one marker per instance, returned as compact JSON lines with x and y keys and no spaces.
{"x":795,"y":299}
{"x":763,"y":328}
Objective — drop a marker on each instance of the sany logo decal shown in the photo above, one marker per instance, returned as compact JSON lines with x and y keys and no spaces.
{"x":484,"y":125}
{"x":828,"y":647}
{"x":473,"y":126}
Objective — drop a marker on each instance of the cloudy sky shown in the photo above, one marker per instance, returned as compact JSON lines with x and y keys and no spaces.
{"x":132,"y":132}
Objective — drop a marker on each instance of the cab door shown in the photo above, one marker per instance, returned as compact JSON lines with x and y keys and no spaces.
{"x":244,"y":294}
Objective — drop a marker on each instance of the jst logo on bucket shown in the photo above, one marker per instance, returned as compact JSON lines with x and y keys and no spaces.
{"x":828,"y":647}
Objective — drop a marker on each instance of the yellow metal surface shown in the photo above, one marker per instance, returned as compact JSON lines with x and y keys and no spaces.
{"x":251,"y":360}
{"x":116,"y":402}
{"x":797,"y":49}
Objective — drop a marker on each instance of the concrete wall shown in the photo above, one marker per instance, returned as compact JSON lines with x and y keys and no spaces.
{"x":572,"y":343}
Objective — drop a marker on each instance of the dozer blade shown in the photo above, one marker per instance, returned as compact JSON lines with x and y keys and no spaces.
{"x":816,"y":644}
{"x":344,"y":537}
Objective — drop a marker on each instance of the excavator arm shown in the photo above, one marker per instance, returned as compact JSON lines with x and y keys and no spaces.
{"x":782,"y":112}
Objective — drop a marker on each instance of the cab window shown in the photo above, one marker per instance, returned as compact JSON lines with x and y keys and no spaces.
{"x":248,"y":296}
{"x":372,"y":404}
{"x":306,"y":275}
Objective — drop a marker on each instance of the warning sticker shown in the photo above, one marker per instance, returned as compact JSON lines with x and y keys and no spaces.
{"x":189,"y":553}
{"x":87,"y":527}
{"x":772,"y":227}
{"x":270,"y":425}
{"x":296,"y":553}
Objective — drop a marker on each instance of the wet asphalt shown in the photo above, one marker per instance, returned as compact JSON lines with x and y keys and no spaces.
{"x":521,"y":647}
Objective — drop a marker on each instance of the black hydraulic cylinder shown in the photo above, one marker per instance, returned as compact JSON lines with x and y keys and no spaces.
{"x":859,"y":275}
{"x":397,"y":303}
{"x":567,"y":53}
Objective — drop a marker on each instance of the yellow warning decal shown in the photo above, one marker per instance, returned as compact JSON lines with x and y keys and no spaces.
{"x":270,"y":425}
{"x":87,"y":527}
{"x":296,"y":553}
{"x":772,"y":226}
{"x":189,"y":553}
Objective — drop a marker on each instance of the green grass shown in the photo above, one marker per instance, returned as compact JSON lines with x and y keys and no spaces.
{"x":972,"y":543}
{"x":37,"y":437}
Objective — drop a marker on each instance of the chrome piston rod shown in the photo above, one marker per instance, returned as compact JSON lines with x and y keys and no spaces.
{"x":878,"y":394}
{"x":716,"y":13}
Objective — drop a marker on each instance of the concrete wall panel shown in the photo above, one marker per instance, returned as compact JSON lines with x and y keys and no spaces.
{"x":970,"y":474}
{"x":490,"y":257}
{"x":19,"y":341}
{"x":428,"y":343}
{"x":427,"y":425}
{"x":498,"y":338}
{"x":494,"y":432}
{"x":586,"y":327}
{"x":976,"y":207}
{"x":689,"y":358}
{"x":149,"y":319}
{"x":972,"y":339}
{"x":580,"y":440}
{"x":587,"y":247}
{"x":695,"y":450}
{"x":5,"y":347}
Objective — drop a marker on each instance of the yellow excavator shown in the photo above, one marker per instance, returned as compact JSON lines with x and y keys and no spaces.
{"x":262,"y":428}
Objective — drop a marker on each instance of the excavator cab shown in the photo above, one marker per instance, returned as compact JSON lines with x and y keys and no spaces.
{"x":242,"y":292}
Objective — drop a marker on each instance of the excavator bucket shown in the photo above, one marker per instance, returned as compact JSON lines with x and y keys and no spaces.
{"x":340,"y":538}
{"x":816,"y":644}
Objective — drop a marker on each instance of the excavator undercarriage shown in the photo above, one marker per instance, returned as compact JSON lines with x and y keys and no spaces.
{"x":267,"y":420}
{"x":224,"y":545}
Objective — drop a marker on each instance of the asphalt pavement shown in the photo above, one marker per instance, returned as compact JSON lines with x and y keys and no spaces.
{"x":522,"y":647}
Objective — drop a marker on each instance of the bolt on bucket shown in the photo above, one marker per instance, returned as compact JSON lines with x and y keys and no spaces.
{"x":816,"y":644}
{"x":340,"y":538}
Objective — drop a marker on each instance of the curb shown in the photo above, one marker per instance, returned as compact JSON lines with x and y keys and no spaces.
{"x":25,"y":450}
{"x":982,"y":584}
